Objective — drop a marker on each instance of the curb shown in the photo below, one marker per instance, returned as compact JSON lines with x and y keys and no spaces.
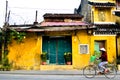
{"x":46,"y":72}
{"x":43,"y":72}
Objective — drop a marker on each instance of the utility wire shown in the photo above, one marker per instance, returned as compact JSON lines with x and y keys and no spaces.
{"x":38,"y":8}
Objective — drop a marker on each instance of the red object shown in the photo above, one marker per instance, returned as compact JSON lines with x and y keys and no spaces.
{"x":69,"y":63}
{"x":44,"y":63}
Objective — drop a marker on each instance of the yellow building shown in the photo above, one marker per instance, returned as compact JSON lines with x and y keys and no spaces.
{"x":103,"y":18}
{"x":117,"y":15}
{"x":100,"y":14}
{"x":56,"y":35}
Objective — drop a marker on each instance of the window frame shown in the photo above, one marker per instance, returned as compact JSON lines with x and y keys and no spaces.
{"x":82,"y":50}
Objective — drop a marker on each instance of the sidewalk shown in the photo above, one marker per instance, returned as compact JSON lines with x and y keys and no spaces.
{"x":51,"y":72}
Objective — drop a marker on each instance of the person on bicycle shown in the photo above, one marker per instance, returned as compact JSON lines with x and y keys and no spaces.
{"x":104,"y":60}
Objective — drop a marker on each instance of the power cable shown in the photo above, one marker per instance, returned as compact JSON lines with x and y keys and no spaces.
{"x":38,"y":8}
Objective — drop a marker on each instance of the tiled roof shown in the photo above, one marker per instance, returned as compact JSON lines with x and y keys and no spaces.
{"x":107,"y":25}
{"x":107,"y":29}
{"x":99,"y":4}
{"x":52,"y":26}
{"x":42,"y":29}
{"x":63,"y":24}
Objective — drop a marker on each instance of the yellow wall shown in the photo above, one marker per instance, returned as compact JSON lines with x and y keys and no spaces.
{"x":110,"y":45}
{"x":26,"y":55}
{"x":109,"y":16}
{"x":81,"y":60}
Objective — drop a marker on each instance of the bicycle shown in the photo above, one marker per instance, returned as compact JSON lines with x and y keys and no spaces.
{"x":91,"y":70}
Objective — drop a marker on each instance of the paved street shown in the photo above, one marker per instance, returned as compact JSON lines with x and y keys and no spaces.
{"x":49,"y":75}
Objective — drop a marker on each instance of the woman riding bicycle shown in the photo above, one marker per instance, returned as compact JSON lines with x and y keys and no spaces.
{"x":109,"y":70}
{"x":104,"y":60}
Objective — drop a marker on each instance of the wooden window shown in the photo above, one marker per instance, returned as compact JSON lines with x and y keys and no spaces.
{"x":101,"y":14}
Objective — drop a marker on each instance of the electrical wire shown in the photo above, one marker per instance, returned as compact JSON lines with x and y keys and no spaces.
{"x":38,"y":8}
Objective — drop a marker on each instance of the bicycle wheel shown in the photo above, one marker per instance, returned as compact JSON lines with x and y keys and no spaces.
{"x":112,"y":71}
{"x":89,"y":71}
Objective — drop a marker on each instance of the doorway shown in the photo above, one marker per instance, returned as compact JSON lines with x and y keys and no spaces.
{"x":56,"y":46}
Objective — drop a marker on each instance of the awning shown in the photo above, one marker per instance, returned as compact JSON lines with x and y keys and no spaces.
{"x":42,"y":29}
{"x":107,"y":29}
{"x":54,"y":26}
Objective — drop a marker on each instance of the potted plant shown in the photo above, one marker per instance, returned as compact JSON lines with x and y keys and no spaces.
{"x":44,"y":57}
{"x":68,"y":58}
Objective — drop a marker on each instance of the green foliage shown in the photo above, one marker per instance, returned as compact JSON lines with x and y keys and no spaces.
{"x":68,"y":56}
{"x":44,"y":56}
{"x":97,"y":54}
{"x":6,"y":52}
{"x":5,"y":62}
{"x":18,"y":36}
{"x":5,"y":68}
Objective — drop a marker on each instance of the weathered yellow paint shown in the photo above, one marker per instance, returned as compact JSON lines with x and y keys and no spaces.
{"x":109,"y":17}
{"x":26,"y":55}
{"x":80,"y":60}
{"x":110,"y":45}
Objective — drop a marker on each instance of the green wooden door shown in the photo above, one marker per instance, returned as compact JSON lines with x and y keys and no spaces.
{"x":63,"y":45}
{"x":56,"y":47}
{"x":96,"y":46}
{"x":52,"y":50}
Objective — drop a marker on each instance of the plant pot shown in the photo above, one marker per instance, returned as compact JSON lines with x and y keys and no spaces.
{"x":68,"y":63}
{"x":44,"y":63}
